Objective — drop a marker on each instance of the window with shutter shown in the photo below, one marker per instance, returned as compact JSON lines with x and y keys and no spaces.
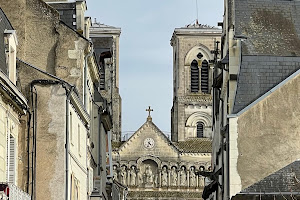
{"x":12,"y":164}
{"x":194,"y":76}
{"x":204,"y":77}
{"x":200,"y":127}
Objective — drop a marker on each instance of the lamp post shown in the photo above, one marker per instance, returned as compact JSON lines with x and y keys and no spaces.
{"x":95,"y":195}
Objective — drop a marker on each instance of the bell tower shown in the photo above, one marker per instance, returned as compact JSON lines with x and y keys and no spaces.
{"x":192,"y":81}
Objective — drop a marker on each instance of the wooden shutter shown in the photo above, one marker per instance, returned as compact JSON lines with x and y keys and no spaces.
{"x":12,"y":158}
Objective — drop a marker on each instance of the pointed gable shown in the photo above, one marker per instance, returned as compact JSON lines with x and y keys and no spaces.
{"x":159,"y":145}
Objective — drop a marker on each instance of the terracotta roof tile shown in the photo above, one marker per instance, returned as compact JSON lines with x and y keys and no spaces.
{"x":195,"y":145}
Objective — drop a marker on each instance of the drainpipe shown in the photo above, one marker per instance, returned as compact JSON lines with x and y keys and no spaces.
{"x":28,"y":150}
{"x":34,"y":125}
{"x":85,"y":77}
{"x":67,"y":139}
{"x":99,"y":140}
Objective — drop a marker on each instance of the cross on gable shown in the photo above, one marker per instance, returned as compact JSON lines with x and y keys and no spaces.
{"x":149,"y":110}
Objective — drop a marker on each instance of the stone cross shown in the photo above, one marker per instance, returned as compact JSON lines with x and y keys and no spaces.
{"x":149,"y":110}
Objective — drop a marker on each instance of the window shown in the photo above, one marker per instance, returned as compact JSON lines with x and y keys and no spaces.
{"x":200,"y":127}
{"x":194,"y":76}
{"x":12,"y":158}
{"x":10,"y":53}
{"x":74,"y":188}
{"x":204,"y":77}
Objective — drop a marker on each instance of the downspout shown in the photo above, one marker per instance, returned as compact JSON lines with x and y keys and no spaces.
{"x":99,"y":140}
{"x":67,"y":139}
{"x":28,"y":149}
{"x":227,"y":171}
{"x":33,"y":151}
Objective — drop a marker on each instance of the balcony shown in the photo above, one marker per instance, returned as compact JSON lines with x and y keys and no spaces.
{"x":12,"y":192}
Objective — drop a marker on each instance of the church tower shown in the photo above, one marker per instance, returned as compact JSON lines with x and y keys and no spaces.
{"x":191,"y":114}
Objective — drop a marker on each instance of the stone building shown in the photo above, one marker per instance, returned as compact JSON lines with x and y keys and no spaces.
{"x":256,"y":103}
{"x":151,"y":165}
{"x":192,"y":78}
{"x":13,"y":110}
{"x":69,"y":122}
{"x":106,"y":44}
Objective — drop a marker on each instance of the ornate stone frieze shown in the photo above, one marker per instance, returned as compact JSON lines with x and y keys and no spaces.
{"x":204,"y":99}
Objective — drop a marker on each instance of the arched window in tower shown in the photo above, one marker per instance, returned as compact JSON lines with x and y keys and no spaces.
{"x":194,"y":76}
{"x":200,"y":128}
{"x":204,"y":77}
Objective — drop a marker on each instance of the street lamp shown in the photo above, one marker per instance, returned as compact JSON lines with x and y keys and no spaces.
{"x":95,"y":195}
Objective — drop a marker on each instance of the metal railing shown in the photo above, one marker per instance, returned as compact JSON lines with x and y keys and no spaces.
{"x":13,"y":192}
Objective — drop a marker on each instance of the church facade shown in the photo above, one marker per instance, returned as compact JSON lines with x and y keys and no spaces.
{"x":150,"y":164}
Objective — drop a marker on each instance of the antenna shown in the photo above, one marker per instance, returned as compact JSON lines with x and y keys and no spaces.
{"x":197,"y":11}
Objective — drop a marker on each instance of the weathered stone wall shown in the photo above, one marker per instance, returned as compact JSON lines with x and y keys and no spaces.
{"x":268,"y":134}
{"x":45,"y":42}
{"x":50,"y":140}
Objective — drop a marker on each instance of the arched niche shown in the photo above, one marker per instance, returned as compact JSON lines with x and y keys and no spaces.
{"x":199,"y":117}
{"x":194,"y":51}
{"x":141,"y":160}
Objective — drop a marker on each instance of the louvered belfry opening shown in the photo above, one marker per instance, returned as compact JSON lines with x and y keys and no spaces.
{"x":200,"y":127}
{"x":204,"y":77}
{"x":194,"y":76}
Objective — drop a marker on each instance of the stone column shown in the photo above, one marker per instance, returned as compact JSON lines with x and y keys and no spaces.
{"x":169,"y":177}
{"x":128,"y":176}
{"x":188,"y":178}
{"x":197,"y":181}
{"x":178,"y":177}
{"x":159,"y":177}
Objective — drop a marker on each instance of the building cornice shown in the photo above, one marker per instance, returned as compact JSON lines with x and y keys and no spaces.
{"x":12,"y":95}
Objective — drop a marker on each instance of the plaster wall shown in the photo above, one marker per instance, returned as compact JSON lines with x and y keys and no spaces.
{"x":50,"y":141}
{"x":268,"y":134}
{"x":78,"y":138}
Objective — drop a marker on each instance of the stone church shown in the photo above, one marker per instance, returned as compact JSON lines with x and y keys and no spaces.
{"x":155,"y":167}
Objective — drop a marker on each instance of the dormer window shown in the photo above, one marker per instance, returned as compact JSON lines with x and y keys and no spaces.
{"x":11,"y":43}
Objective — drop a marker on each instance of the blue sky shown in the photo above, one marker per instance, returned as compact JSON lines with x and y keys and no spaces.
{"x":145,"y":51}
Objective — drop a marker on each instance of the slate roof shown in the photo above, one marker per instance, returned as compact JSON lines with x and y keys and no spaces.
{"x":271,"y":51}
{"x":286,"y":179}
{"x":272,"y":27}
{"x":67,"y":11}
{"x":259,"y":74}
{"x":195,"y":145}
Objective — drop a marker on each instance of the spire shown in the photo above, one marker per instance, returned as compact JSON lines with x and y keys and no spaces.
{"x":149,"y":118}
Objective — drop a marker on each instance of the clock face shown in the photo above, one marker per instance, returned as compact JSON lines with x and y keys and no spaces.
{"x":149,"y":143}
